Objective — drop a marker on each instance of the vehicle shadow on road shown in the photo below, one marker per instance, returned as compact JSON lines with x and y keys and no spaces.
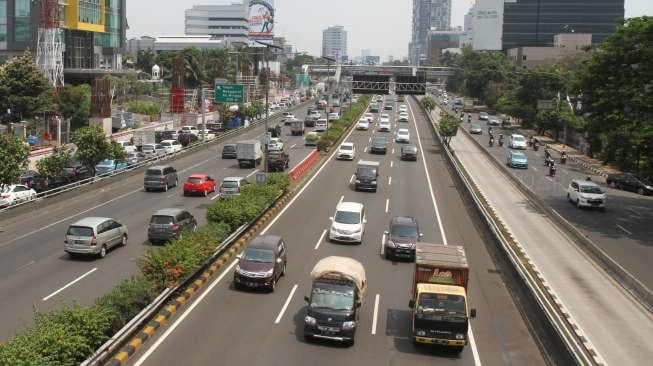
{"x":398,"y":327}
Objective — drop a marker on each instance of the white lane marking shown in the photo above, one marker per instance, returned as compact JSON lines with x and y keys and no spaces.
{"x":171,"y":195}
{"x":624,"y":229}
{"x":370,"y":140}
{"x":365,"y":149}
{"x":320,"y":240}
{"x":634,"y":212}
{"x":285,"y":306}
{"x":472,"y":342}
{"x":534,"y":168}
{"x":293,"y":146}
{"x":376,"y":313}
{"x":252,"y":173}
{"x":393,"y":150}
{"x":329,"y":160}
{"x":69,"y":284}
{"x":389,"y":181}
{"x":341,"y":198}
{"x":217,"y":195}
{"x":25,"y":266}
{"x":183,"y":316}
{"x":392,"y":163}
{"x":428,"y":179}
{"x":351,"y":179}
{"x":549,"y":178}
{"x":387,"y":204}
{"x":383,"y":244}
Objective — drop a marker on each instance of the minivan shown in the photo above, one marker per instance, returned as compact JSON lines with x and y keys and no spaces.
{"x":168,"y":224}
{"x":152,"y":150}
{"x":262,"y":263}
{"x":160,"y":177}
{"x":94,"y":236}
{"x":231,"y":186}
{"x":321,"y":125}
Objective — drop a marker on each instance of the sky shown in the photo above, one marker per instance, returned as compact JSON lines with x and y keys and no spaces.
{"x":382,"y":26}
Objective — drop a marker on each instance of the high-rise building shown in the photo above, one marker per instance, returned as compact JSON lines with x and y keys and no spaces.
{"x":334,"y":43}
{"x":226,"y":22}
{"x":427,"y":15}
{"x":533,"y":23}
{"x":483,"y":32}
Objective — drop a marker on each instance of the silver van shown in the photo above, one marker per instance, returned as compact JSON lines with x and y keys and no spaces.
{"x":160,"y":177}
{"x":231,"y":186}
{"x":94,"y":236}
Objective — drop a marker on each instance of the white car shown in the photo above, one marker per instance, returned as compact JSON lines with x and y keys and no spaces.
{"x":152,"y":150}
{"x":127,"y":146}
{"x":315,"y":115}
{"x":208,"y":135}
{"x":384,"y":126}
{"x":333,"y":117}
{"x":369,"y":117}
{"x":16,"y":193}
{"x":403,"y":117}
{"x":403,"y":108}
{"x":171,"y":146}
{"x":348,"y":223}
{"x":586,"y":194}
{"x":517,"y":142}
{"x":363,"y":124}
{"x":275,"y":144}
{"x":483,"y":116}
{"x":385,"y":116}
{"x":191,"y":129}
{"x":402,"y":135}
{"x":346,"y":151}
{"x":321,"y":125}
{"x":384,"y":120}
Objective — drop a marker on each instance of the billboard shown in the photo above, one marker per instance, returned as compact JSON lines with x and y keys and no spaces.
{"x":261,"y":20}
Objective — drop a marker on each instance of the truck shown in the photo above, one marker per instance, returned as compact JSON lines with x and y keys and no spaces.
{"x":367,"y":174}
{"x":440,"y":312}
{"x":297,"y":128}
{"x":337,"y":292}
{"x":143,"y":137}
{"x":249,"y":153}
{"x":468,"y":105}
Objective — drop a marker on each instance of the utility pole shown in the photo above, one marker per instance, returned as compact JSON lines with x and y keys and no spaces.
{"x":203,"y":104}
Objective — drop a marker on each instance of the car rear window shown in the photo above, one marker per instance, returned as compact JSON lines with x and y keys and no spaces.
{"x":162,"y":220}
{"x":80,"y":231}
{"x":195,"y":180}
{"x":153,"y":172}
{"x":229,"y":148}
{"x":229,"y":184}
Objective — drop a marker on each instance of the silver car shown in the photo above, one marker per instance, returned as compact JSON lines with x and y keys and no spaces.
{"x":94,"y":236}
{"x":231,"y":186}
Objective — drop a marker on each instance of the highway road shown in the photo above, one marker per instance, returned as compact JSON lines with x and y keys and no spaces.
{"x":35,"y":272}
{"x":623,"y":231}
{"x":225,"y":326}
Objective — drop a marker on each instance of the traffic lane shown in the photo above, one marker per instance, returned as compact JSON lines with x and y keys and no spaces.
{"x":623,"y":231}
{"x":502,"y":334}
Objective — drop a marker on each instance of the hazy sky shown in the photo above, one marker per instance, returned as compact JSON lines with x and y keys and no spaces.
{"x":382,"y":26}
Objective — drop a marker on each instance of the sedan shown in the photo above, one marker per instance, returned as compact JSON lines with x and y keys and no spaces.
{"x":16,"y":193}
{"x":384,"y":127}
{"x":171,"y":146}
{"x":275,"y":144}
{"x":199,"y":183}
{"x":476,"y":129}
{"x":483,"y":116}
{"x":134,"y":158}
{"x":384,"y":118}
{"x":109,"y":166}
{"x":347,"y":151}
{"x":369,"y":117}
{"x":403,"y":108}
{"x":493,"y":121}
{"x":403,"y":117}
{"x":517,"y":159}
{"x":409,"y":152}
{"x":363,"y":124}
{"x":402,"y":135}
{"x":379,"y":145}
{"x":630,"y":182}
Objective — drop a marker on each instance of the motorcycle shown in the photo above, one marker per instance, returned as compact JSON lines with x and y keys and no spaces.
{"x":491,"y":143}
{"x":530,"y":141}
{"x":552,"y":169}
{"x":469,"y":118}
{"x":501,"y":140}
{"x":536,"y":146}
{"x":563,"y":158}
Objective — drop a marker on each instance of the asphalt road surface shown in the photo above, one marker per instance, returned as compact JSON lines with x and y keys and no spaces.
{"x":36,"y":273}
{"x":225,"y":326}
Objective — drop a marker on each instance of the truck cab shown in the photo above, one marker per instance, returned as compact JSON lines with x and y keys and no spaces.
{"x":367,"y":175}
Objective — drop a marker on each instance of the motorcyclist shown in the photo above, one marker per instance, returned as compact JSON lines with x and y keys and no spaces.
{"x":489,"y":130}
{"x":469,"y":117}
{"x":563,"y":157}
{"x":552,"y":168}
{"x":530,"y":140}
{"x":491,"y":142}
{"x":500,"y":139}
{"x":536,"y":145}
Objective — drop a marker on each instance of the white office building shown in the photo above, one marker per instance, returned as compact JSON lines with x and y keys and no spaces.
{"x":484,"y":25}
{"x":224,"y":22}
{"x":334,"y":43}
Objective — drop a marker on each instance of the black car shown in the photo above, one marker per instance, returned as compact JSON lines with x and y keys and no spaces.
{"x":169,"y":224}
{"x":401,"y":238}
{"x":186,"y":138}
{"x":262,"y":263}
{"x":379,"y":145}
{"x":76,"y":172}
{"x":33,"y":180}
{"x":278,"y":161}
{"x":163,"y":135}
{"x":409,"y":152}
{"x":275,"y":131}
{"x":630,"y":182}
{"x":229,"y":151}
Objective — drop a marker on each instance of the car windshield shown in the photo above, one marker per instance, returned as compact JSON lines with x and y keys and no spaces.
{"x":346,"y":147}
{"x":591,"y":189}
{"x":348,"y":217}
{"x":518,"y":138}
{"x":106,"y":163}
{"x":161,"y":220}
{"x":366,"y":172}
{"x":80,"y":231}
{"x":379,"y":141}
{"x":195,"y":180}
{"x":519,"y":156}
{"x":476,"y":127}
{"x":229,"y":148}
{"x":333,"y":297}
{"x":258,"y":255}
{"x":409,"y":148}
{"x":404,"y":231}
{"x":229,"y":184}
{"x":441,"y":303}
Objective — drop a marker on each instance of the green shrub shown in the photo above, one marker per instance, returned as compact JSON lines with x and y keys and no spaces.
{"x":126,"y":300}
{"x":143,"y":107}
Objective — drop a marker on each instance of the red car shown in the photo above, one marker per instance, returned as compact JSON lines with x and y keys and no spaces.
{"x":199,"y":183}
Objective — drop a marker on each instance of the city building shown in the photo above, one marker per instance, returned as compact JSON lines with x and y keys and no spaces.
{"x":437,"y":42}
{"x":135,"y":45}
{"x":334,"y":43}
{"x":226,"y":22}
{"x":179,"y":43}
{"x":427,"y":15}
{"x":533,"y":23}
{"x":371,"y":60}
{"x":484,"y":24}
{"x":564,"y":45}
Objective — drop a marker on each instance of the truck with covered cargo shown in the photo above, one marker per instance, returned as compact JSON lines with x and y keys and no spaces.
{"x":249,"y":153}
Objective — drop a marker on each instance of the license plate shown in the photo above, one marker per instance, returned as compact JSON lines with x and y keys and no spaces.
{"x":252,"y":284}
{"x":80,"y":241}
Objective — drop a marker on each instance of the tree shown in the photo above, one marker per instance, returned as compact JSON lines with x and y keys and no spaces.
{"x":428,"y":103}
{"x":75,"y":103}
{"x":92,"y":146}
{"x":448,"y":127}
{"x":24,"y":89}
{"x":145,"y":59}
{"x":52,"y":166}
{"x":117,"y":152}
{"x":13,"y":157}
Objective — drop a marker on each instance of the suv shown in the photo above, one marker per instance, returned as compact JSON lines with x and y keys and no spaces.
{"x":586,"y":194}
{"x":401,"y":238}
{"x":262,"y":263}
{"x":168,"y":224}
{"x":94,"y":235}
{"x":409,"y":152}
{"x":231,"y":186}
{"x":229,"y":151}
{"x":160,"y":177}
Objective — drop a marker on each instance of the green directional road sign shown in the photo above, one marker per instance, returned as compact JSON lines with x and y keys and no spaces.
{"x":229,"y":93}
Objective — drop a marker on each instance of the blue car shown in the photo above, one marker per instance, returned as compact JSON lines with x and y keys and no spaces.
{"x":110,"y":165}
{"x":517,"y":159}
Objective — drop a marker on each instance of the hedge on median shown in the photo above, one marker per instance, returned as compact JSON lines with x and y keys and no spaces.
{"x":69,"y":335}
{"x":337,"y":128}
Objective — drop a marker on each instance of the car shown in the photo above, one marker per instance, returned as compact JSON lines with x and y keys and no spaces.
{"x":77,"y":171}
{"x":445,"y":101}
{"x":109,"y":166}
{"x":408,"y":152}
{"x":517,"y":142}
{"x":367,"y":176}
{"x":363,"y":124}
{"x":586,"y":194}
{"x":160,"y":177}
{"x":33,"y":180}
{"x":127,"y":146}
{"x":311,"y":138}
{"x":171,"y":146}
{"x":287,"y":117}
{"x":388,"y":107}
{"x":369,"y":117}
{"x":493,"y":121}
{"x":379,"y":145}
{"x":517,"y":159}
{"x":262,"y":263}
{"x":403,"y":117}
{"x":275,"y":144}
{"x":152,"y":150}
{"x":384,"y":127}
{"x":346,"y":151}
{"x":229,"y":151}
{"x":402,"y":135}
{"x":199,"y":183}
{"x":476,"y":129}
{"x":231,"y":186}
{"x":384,"y":118}
{"x":401,"y":238}
{"x":134,"y":158}
{"x":348,"y":223}
{"x":483,"y":116}
{"x":278,"y":160}
{"x":333,"y":117}
{"x":169,"y":224}
{"x":16,"y":193}
{"x":403,"y":108}
{"x":190,"y":129}
{"x":321,"y":125}
{"x":94,"y":236}
{"x":207,"y":135}
{"x":630,"y":182}
{"x":187,"y":138}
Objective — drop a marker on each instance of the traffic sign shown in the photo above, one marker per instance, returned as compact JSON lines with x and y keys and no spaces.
{"x":229,"y":93}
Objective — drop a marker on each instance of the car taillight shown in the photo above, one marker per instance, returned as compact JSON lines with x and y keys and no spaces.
{"x":4,"y":195}
{"x":238,"y":189}
{"x":175,"y":227}
{"x":93,"y":241}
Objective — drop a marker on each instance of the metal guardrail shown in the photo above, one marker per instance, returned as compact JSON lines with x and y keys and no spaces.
{"x":98,"y":178}
{"x":558,"y":318}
